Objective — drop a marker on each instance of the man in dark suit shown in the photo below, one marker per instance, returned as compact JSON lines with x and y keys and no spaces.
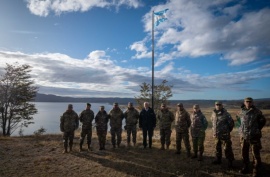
{"x":147,"y":122}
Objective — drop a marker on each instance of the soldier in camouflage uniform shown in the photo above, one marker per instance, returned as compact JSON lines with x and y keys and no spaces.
{"x":182,"y":124}
{"x":198,"y":126}
{"x":116,"y":116}
{"x":86,"y":118}
{"x":101,"y":121}
{"x":222,"y":126}
{"x":69,"y":121}
{"x":165,"y":118}
{"x":132,"y":116}
{"x":252,"y":122}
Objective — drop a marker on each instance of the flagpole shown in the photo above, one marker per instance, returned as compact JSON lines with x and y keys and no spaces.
{"x":153,"y":60}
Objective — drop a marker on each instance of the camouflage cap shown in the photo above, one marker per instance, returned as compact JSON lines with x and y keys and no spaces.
{"x":179,"y":104}
{"x":88,"y":104}
{"x":248,"y":99}
{"x":196,"y":106}
{"x":70,"y":106}
{"x":102,"y":107}
{"x":218,"y":102}
{"x":115,"y":104}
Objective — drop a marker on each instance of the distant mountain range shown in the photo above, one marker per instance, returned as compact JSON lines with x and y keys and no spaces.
{"x":53,"y":98}
{"x":263,"y":103}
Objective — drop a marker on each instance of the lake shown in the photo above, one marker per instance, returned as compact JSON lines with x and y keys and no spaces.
{"x":49,"y":113}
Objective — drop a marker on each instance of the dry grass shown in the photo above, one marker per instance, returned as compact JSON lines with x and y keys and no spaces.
{"x":29,"y":156}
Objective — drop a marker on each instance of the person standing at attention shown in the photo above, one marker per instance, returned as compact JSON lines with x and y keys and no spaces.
{"x":69,"y":122}
{"x":147,"y":122}
{"x":86,"y":118}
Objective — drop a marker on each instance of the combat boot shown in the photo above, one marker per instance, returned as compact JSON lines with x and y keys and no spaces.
{"x":167,"y":146}
{"x":70,"y":146}
{"x":194,"y":156}
{"x":255,"y":173}
{"x":134,"y":144}
{"x":114,"y":146}
{"x":245,"y":169}
{"x":178,"y":151}
{"x":128,"y":144}
{"x":162,"y":147}
{"x":65,"y":149}
{"x":188,"y":154}
{"x":80,"y":150}
{"x":89,"y":147}
{"x":230,"y":164}
{"x":100,"y":146}
{"x":217,"y":161}
{"x":257,"y":169}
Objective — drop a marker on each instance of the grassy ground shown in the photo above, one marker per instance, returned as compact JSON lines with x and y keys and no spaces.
{"x":42,"y":156}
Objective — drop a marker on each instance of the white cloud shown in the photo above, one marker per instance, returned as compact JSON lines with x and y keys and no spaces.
{"x":98,"y":75}
{"x":242,"y":57}
{"x":200,"y":28}
{"x":141,"y":50}
{"x":45,"y":7}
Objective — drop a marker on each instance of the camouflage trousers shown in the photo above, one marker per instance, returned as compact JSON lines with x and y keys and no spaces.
{"x":116,"y":131}
{"x":198,"y":143}
{"x":227,"y":143}
{"x":85,"y":132}
{"x":68,"y":137}
{"x":165,"y":136}
{"x":255,"y":146}
{"x":102,"y":136}
{"x":131,"y":129}
{"x":182,"y":136}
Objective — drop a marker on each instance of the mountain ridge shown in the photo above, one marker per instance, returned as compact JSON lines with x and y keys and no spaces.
{"x":40,"y":97}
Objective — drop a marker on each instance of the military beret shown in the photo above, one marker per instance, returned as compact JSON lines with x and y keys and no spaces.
{"x":179,"y":104}
{"x":196,"y":106}
{"x":248,"y":99}
{"x":70,"y":106}
{"x":218,"y":102}
{"x":115,"y":104}
{"x":102,"y":107}
{"x":88,"y":104}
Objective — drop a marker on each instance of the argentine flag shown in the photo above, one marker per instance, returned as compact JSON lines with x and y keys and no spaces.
{"x":160,"y":16}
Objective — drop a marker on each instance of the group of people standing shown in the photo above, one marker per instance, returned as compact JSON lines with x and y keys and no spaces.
{"x":251,"y":121}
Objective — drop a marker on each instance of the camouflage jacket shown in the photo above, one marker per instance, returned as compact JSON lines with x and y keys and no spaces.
{"x":182,"y":121}
{"x":86,"y":118}
{"x":252,"y":121}
{"x":165,"y":118}
{"x":69,"y":121}
{"x":101,"y":121}
{"x":132,"y":116}
{"x":116,"y":116}
{"x":222,"y":123}
{"x":199,"y":124}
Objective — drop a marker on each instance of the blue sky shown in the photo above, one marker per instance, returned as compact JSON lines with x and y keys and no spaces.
{"x":102,"y":48}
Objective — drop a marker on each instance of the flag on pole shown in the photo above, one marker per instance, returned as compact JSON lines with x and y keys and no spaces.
{"x":160,"y":16}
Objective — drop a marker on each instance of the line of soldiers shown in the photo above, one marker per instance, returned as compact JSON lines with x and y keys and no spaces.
{"x":250,"y":121}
